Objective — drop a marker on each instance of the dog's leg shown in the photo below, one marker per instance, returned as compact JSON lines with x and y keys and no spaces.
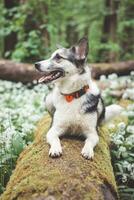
{"x":49,"y":104}
{"x":54,"y":141}
{"x":92,"y":139}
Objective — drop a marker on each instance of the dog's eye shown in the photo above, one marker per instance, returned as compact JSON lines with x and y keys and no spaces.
{"x":57,"y":57}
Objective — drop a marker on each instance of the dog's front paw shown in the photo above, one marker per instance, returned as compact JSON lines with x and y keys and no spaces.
{"x":87,"y":153}
{"x":55,"y":151}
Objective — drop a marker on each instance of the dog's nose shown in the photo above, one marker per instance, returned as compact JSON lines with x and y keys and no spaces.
{"x":37,"y":65}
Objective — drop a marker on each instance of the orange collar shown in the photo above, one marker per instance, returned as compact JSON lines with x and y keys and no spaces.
{"x":77,"y":94}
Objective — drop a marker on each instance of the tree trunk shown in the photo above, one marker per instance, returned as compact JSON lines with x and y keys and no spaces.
{"x":46,"y":35}
{"x":1,"y":25}
{"x":71,"y":33}
{"x":38,"y":177}
{"x":109,"y":28}
{"x":11,"y":39}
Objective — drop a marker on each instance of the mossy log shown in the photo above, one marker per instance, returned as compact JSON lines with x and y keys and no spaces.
{"x":70,"y":177}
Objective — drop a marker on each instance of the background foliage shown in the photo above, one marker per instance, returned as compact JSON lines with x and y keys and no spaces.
{"x":31,"y":29}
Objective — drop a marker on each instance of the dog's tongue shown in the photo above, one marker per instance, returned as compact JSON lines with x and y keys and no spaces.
{"x":41,"y":79}
{"x":44,"y":78}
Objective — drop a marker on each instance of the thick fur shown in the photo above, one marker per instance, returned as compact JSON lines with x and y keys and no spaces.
{"x":82,"y":115}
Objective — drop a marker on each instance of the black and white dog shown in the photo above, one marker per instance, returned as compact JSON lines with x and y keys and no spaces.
{"x":75,"y":102}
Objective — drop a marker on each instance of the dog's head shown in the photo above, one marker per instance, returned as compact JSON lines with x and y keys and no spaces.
{"x":64,"y":62}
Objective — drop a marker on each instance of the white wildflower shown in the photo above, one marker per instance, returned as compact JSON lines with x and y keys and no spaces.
{"x":121,"y":126}
{"x":114,"y":85}
{"x":130,"y":129}
{"x":122,"y":149}
{"x":132,"y":73}
{"x":112,"y":76}
{"x":103,"y":78}
{"x":130,"y":140}
{"x":124,"y":178}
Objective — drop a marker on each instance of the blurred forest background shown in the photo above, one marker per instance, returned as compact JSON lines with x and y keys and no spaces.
{"x":31,"y":29}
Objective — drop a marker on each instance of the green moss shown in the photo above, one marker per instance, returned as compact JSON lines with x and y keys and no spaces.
{"x":69,"y":176}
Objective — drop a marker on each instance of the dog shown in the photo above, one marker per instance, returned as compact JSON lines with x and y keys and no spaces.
{"x":75,"y":102}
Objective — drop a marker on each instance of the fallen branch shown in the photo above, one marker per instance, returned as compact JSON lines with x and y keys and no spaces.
{"x":25,"y":73}
{"x":39,"y":177}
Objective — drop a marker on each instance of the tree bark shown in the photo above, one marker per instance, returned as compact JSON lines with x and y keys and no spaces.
{"x":1,"y":25}
{"x":11,"y":39}
{"x":109,"y":28}
{"x":120,"y":68}
{"x":38,"y":177}
{"x":26,"y":73}
{"x":18,"y":72}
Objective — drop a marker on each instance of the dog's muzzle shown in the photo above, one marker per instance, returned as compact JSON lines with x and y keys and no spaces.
{"x":51,"y":75}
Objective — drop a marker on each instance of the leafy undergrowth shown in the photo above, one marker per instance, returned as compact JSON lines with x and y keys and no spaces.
{"x":22,"y":106}
{"x":123,"y":154}
{"x":122,"y":147}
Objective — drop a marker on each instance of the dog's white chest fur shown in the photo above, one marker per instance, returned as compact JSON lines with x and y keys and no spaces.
{"x":70,"y":115}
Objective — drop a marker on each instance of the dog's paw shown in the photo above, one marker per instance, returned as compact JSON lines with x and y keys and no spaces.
{"x":87,"y":153}
{"x":55,"y":151}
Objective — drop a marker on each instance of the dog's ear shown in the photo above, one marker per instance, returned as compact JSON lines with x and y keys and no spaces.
{"x":81,"y":49}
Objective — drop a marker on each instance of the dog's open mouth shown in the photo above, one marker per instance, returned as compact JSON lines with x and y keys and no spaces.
{"x":51,"y":76}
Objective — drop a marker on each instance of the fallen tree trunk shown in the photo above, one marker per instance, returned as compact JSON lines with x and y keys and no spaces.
{"x":38,"y":177}
{"x":25,"y":73}
{"x":120,"y":68}
{"x":18,"y":72}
